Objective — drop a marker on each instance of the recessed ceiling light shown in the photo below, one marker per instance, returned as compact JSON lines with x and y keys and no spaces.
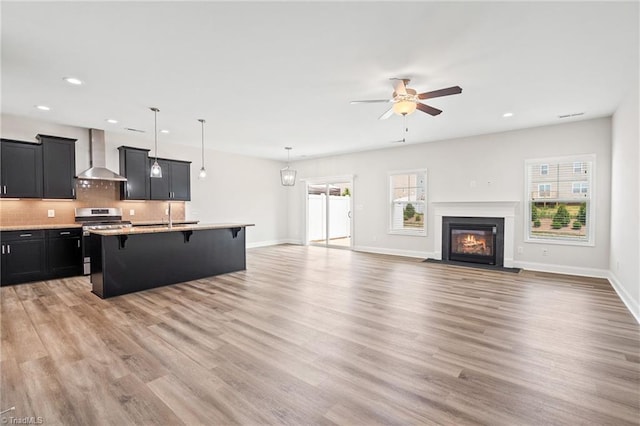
{"x":73,"y":80}
{"x":43,"y":107}
{"x":507,"y":114}
{"x":164,"y":131}
{"x":111,"y":120}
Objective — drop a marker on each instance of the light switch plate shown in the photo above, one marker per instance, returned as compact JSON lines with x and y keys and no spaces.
{"x":132,"y":212}
{"x":51,"y":213}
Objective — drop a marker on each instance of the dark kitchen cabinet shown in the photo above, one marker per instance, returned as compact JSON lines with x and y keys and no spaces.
{"x":59,"y":166}
{"x":64,"y":252}
{"x":21,"y":169}
{"x":175,"y":183}
{"x":23,"y":256}
{"x":134,"y":165}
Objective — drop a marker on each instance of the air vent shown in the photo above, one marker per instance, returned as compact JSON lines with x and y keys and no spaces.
{"x":571,"y":115}
{"x":134,"y":130}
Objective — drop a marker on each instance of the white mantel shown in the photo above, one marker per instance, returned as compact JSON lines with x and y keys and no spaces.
{"x":502,"y":209}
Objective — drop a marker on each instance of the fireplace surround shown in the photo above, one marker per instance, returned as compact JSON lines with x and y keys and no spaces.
{"x":500,"y":209}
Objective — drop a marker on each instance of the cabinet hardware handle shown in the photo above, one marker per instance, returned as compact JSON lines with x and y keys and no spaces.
{"x":73,"y":192}
{"x":3,"y":249}
{"x":4,"y":189}
{"x":8,"y":248}
{"x":65,"y":233}
{"x":78,"y":243}
{"x":25,"y":235}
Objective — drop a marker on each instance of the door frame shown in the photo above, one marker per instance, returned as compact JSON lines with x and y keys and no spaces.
{"x":324,"y":181}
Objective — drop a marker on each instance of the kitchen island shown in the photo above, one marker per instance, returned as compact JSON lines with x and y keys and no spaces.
{"x":140,"y":258}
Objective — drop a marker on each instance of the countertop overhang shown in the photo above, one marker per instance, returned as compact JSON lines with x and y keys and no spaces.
{"x":165,"y":228}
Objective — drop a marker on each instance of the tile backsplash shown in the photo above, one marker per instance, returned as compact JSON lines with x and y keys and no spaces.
{"x":89,"y":194}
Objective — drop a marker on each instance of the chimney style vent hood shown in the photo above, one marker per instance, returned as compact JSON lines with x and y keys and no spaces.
{"x":97,"y":162}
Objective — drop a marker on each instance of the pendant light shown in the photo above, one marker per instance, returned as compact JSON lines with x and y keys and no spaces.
{"x":203,"y":172}
{"x":288,"y":175}
{"x":156,"y":170}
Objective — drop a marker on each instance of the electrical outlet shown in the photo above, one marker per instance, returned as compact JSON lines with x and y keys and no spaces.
{"x":51,"y":213}
{"x":166,"y":211}
{"x":520,"y":250}
{"x":132,"y":212}
{"x":545,"y":252}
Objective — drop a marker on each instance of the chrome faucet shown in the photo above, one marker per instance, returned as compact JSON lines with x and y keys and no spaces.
{"x":170,"y":219}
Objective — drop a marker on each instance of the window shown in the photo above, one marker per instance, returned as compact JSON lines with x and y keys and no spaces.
{"x":407,"y":194}
{"x":544,"y":190}
{"x":579,"y":188}
{"x":560,"y":204}
{"x":577,"y":167}
{"x":544,"y":169}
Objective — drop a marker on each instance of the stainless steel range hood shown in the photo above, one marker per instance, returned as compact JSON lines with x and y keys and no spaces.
{"x":97,"y":164}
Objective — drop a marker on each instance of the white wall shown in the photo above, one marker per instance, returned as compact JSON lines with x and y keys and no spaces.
{"x":237,"y":189}
{"x":625,"y":202}
{"x":495,"y":162}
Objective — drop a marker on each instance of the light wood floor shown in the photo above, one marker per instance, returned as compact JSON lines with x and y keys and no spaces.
{"x":309,"y":335}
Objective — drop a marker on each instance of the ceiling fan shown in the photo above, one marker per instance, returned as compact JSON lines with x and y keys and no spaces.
{"x":406,"y":100}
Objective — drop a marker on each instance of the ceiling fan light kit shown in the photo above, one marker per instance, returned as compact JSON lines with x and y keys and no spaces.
{"x":406,"y":100}
{"x":404,"y":107}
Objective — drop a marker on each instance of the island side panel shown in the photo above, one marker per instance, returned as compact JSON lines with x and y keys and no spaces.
{"x":138,"y":262}
{"x":97,"y":281}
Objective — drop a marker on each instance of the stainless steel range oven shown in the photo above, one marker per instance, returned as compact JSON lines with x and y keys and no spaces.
{"x":97,"y":218}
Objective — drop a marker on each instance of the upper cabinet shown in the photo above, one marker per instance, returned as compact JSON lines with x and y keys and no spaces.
{"x":175,"y":183}
{"x":134,"y":165}
{"x":59,"y":166}
{"x":21,"y":169}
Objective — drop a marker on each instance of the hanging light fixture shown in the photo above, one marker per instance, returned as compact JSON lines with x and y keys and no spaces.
{"x":288,"y":175}
{"x":156,"y":170}
{"x":203,"y":172}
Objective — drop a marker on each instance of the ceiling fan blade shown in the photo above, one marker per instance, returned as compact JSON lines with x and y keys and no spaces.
{"x":442,"y":92}
{"x":387,"y":114}
{"x":428,"y":109}
{"x":400,"y":85}
{"x":373,"y":101}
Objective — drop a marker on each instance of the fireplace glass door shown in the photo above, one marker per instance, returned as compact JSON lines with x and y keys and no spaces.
{"x":473,"y":243}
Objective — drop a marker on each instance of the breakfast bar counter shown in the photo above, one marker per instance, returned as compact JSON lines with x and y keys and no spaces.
{"x":140,"y":258}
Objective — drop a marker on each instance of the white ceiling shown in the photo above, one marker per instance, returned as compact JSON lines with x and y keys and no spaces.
{"x":268,"y":75}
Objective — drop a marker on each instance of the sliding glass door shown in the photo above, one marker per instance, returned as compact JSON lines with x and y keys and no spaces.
{"x":329,"y":214}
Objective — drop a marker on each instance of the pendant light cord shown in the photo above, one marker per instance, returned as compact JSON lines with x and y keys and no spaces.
{"x":155,"y":129}
{"x":202,"y":121}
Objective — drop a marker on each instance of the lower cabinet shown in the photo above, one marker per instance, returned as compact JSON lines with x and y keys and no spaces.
{"x":24,"y":256}
{"x":35,"y":255}
{"x":64,"y":252}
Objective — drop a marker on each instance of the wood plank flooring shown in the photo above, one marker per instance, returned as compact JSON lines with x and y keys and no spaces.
{"x":314,"y":336}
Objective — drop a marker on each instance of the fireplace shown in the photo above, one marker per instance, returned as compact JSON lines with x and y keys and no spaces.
{"x":473,"y":240}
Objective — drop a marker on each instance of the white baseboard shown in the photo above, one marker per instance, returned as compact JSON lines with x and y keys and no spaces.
{"x":394,"y":252}
{"x":562,"y":269}
{"x":632,"y":305}
{"x":265,"y":243}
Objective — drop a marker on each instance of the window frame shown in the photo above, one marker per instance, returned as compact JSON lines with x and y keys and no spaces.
{"x":390,"y":203}
{"x":589,"y":180}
